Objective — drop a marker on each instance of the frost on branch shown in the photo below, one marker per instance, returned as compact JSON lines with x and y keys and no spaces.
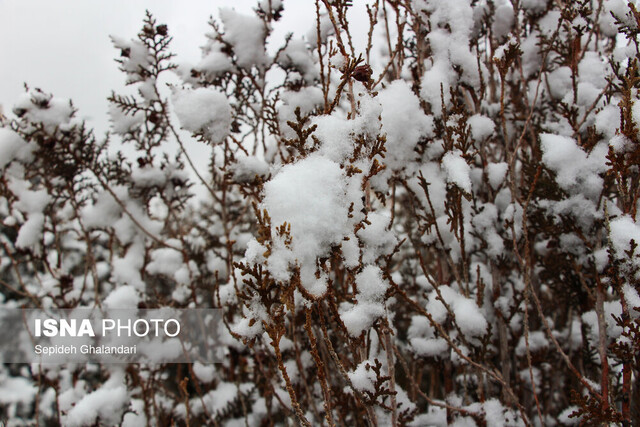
{"x":436,"y":226}
{"x":203,"y":111}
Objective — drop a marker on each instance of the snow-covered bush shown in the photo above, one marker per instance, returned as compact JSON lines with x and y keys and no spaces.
{"x":440,"y":229}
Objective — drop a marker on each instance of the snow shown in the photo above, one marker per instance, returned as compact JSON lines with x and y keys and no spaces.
{"x":377,"y":240}
{"x":310,"y":196}
{"x":531,"y":53}
{"x":569,"y":421}
{"x":451,"y":24}
{"x":621,"y":10}
{"x":583,"y":210}
{"x":247,"y":168}
{"x":105,"y":210}
{"x":205,"y":110}
{"x":620,"y":143}
{"x":306,"y":99}
{"x":297,"y":56}
{"x":496,"y":173}
{"x":166,"y":260}
{"x":576,"y":171}
{"x":270,"y":5}
{"x":481,"y":126}
{"x":137,"y":57}
{"x":363,"y":377}
{"x":245,"y":328}
{"x":31,"y":231}
{"x":216,"y":401}
{"x":215,"y":62}
{"x":633,"y":300}
{"x":136,"y":416}
{"x":148,"y":176}
{"x":611,"y":8}
{"x":430,"y":347}
{"x":587,"y":95}
{"x":126,"y":269}
{"x":336,"y":134}
{"x":17,"y":390}
{"x":404,"y":403}
{"x":122,"y":123}
{"x":560,"y":82}
{"x":537,"y":341}
{"x":205,"y":373}
{"x":464,"y":422}
{"x":107,"y":403}
{"x":247,"y":35}
{"x":468,"y":316}
{"x":503,"y":21}
{"x":534,"y":6}
{"x":549,"y":22}
{"x":326,"y":30}
{"x":423,"y":340}
{"x":437,"y":180}
{"x":330,"y":230}
{"x":122,"y":297}
{"x":485,"y":223}
{"x":623,"y":230}
{"x":404,"y":123}
{"x":39,"y":107}
{"x":435,"y":416}
{"x":361,"y":316}
{"x":497,"y":415}
{"x":613,"y":330}
{"x":12,"y":147}
{"x":369,"y":306}
{"x":125,"y":229}
{"x":457,"y":170}
{"x":32,"y":203}
{"x":370,"y":284}
{"x":435,"y":86}
{"x":449,"y":240}
{"x":350,"y":252}
{"x":592,"y":69}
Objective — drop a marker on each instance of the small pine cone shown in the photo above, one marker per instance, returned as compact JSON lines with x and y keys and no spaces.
{"x":162,"y":30}
{"x":362,"y":73}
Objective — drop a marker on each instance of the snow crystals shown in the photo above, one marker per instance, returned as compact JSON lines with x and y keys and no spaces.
{"x":371,"y":289}
{"x":312,"y":197}
{"x":246,"y":34}
{"x":204,"y":110}
{"x":457,"y":170}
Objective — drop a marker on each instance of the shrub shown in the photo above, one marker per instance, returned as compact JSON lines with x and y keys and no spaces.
{"x":443,"y":232}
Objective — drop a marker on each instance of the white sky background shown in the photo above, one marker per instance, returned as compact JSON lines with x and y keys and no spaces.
{"x":63,"y":46}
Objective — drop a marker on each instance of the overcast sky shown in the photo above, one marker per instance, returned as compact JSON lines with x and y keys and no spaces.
{"x":63,"y":46}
